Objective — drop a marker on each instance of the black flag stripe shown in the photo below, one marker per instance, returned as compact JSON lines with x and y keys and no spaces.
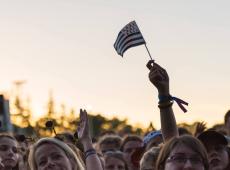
{"x":129,"y":37}
{"x":129,"y":45}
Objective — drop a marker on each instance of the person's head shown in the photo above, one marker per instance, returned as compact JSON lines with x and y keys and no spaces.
{"x":227,"y":120}
{"x":66,"y":137}
{"x":107,"y":132}
{"x":148,"y":160}
{"x":54,"y":154}
{"x":228,"y":139}
{"x":114,"y":160}
{"x":9,"y":151}
{"x":152,"y":139}
{"x":69,"y":138}
{"x":109,"y":143}
{"x":216,"y":146}
{"x":131,"y":142}
{"x":184,"y":152}
{"x":183,"y":131}
{"x":129,"y":145}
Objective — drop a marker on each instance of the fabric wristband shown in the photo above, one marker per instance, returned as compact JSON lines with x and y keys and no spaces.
{"x":165,"y":104}
{"x":168,"y":98}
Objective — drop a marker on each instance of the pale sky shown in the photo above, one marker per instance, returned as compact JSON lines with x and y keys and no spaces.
{"x":67,"y":46}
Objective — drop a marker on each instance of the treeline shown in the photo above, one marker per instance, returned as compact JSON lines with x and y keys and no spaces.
{"x":66,"y":121}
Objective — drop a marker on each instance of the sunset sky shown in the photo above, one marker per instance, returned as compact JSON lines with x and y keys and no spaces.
{"x":67,"y":46}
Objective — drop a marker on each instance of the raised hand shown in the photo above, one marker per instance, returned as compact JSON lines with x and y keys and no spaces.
{"x":83,"y":127}
{"x":200,"y":127}
{"x":159,"y":78}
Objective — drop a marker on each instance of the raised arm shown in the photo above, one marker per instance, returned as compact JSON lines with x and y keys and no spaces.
{"x":160,"y":79}
{"x":92,"y":160}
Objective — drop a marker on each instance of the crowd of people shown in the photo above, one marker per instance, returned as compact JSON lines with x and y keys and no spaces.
{"x":171,"y":148}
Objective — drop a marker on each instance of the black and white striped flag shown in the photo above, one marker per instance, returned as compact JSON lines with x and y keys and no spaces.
{"x":129,"y":36}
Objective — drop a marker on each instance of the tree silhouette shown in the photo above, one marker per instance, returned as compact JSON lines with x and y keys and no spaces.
{"x":64,"y":120}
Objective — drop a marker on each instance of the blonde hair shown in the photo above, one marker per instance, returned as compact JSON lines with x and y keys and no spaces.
{"x":68,"y":151}
{"x":149,"y":158}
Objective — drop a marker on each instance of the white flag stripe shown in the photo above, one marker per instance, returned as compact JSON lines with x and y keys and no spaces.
{"x":120,"y":46}
{"x":131,"y":43}
{"x":123,"y":38}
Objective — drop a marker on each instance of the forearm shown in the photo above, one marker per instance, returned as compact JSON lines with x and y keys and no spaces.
{"x":160,"y":79}
{"x":92,"y":161}
{"x":168,"y":123}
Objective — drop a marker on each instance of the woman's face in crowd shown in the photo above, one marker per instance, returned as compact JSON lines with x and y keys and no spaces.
{"x":217,"y":156}
{"x":114,"y":164}
{"x":8,"y":152}
{"x":51,"y":157}
{"x":183,"y":158}
{"x":129,"y":148}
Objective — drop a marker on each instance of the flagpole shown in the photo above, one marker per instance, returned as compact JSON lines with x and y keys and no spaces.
{"x":148,"y":52}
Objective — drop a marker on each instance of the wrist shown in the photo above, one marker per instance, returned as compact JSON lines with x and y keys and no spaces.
{"x":165,"y":104}
{"x":87,"y":145}
{"x":164,"y":98}
{"x":163,"y":93}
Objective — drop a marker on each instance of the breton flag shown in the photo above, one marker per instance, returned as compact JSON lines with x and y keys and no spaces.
{"x":129,"y":36}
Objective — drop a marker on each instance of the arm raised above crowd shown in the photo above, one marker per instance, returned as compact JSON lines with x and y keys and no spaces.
{"x":92,"y":159}
{"x":160,"y":79}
